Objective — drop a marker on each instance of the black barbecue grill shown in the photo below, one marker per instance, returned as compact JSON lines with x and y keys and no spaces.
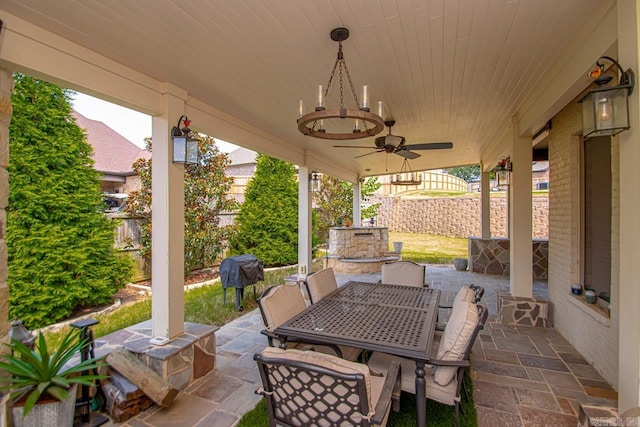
{"x":238,"y":272}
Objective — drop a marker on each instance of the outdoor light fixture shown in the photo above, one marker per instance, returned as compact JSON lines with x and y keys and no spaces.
{"x":605,"y":109}
{"x":503,"y":171}
{"x":406,"y":176}
{"x":329,"y":123}
{"x":185,"y":149}
{"x":314,"y":180}
{"x":19,"y":332}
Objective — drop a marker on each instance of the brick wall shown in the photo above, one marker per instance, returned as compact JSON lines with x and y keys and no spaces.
{"x":593,"y":335}
{"x":453,"y":216}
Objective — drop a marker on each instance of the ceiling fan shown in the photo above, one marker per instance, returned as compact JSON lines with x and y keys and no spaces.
{"x":396,"y":145}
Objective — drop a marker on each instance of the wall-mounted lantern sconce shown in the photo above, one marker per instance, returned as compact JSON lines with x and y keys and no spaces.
{"x":605,"y":109}
{"x":503,"y":172}
{"x":314,"y":182}
{"x":185,"y":149}
{"x":19,"y":332}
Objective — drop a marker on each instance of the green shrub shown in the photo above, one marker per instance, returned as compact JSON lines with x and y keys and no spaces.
{"x":267,"y":224}
{"x":61,"y":251}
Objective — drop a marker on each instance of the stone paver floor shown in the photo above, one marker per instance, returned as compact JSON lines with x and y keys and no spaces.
{"x":523,"y":376}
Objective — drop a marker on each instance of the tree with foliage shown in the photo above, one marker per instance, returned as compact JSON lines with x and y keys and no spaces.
{"x":206,"y":189}
{"x":60,"y":244}
{"x":267,"y":224}
{"x":468,"y":173}
{"x":334,"y":201}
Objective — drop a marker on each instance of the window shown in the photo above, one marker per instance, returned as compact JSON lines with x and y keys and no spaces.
{"x":542,"y":186}
{"x":596,"y":216}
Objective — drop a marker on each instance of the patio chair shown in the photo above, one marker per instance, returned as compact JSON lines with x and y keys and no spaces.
{"x":280,"y":303}
{"x":304,"y":388}
{"x":320,"y":284}
{"x":403,"y":273}
{"x":445,"y":372}
{"x":471,"y":293}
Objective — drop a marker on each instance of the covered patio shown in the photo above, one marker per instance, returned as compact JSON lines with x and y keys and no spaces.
{"x":497,"y":79}
{"x":521,"y":375}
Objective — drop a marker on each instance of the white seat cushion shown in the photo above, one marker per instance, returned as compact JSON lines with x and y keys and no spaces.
{"x":321,"y":284}
{"x":455,"y":339}
{"x":403,"y":273}
{"x":281,"y":304}
{"x":379,"y":362}
{"x":464,"y":294}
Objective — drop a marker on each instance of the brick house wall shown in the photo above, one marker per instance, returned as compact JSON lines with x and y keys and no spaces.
{"x":595,"y":336}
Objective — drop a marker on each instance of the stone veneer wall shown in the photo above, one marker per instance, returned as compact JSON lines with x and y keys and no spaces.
{"x":6,"y":87}
{"x":356,"y":250}
{"x":358,"y":242}
{"x":594,"y":335}
{"x":182,"y":361}
{"x":491,"y":256}
{"x":453,"y":216}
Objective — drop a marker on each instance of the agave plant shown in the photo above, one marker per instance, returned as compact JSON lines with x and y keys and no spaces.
{"x":37,"y":373}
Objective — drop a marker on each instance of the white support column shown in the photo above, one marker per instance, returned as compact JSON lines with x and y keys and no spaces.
{"x":485,"y":205}
{"x":304,"y":222}
{"x":167,"y":259}
{"x":357,"y":200}
{"x":629,"y":299}
{"x":520,"y":222}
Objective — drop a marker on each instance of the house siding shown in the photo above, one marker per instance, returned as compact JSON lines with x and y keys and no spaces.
{"x":593,"y":335}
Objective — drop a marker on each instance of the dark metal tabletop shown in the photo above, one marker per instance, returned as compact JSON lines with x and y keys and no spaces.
{"x":394,"y":319}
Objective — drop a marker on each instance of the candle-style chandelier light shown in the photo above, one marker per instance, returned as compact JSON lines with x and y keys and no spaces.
{"x":329,"y":123}
{"x":406,"y":176}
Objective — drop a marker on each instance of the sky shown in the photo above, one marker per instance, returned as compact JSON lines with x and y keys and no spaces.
{"x":131,"y":124}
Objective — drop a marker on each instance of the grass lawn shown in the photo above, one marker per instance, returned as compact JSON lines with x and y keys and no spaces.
{"x":430,"y":249}
{"x":202,"y":305}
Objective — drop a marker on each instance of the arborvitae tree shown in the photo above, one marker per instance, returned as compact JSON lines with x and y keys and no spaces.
{"x":60,"y":244}
{"x":267,"y":224}
{"x":206,"y":189}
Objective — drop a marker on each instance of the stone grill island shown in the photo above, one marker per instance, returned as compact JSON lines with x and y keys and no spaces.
{"x":357,"y":250}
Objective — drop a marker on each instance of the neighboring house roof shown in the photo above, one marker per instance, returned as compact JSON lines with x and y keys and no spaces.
{"x":540,"y":166}
{"x":242,"y":156}
{"x":112,"y":152}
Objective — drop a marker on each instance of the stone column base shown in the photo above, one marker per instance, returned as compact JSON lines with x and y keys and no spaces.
{"x":521,"y":311}
{"x":182,"y":361}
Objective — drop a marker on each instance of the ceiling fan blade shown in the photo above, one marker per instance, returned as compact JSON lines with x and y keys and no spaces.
{"x":407,"y":154}
{"x":429,"y":146}
{"x":372,"y":152}
{"x":352,"y":146}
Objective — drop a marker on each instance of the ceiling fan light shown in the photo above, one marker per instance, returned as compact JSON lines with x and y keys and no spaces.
{"x":393,"y":140}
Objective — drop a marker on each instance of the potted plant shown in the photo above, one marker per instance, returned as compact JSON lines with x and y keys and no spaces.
{"x":42,"y":383}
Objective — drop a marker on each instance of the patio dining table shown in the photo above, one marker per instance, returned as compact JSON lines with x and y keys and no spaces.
{"x":394,"y":319}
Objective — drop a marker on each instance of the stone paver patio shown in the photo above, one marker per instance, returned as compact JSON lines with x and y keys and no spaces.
{"x":523,"y":376}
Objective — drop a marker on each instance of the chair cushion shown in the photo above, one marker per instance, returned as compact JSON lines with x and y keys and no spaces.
{"x":464,"y":294}
{"x":403,"y":273}
{"x":327,"y":361}
{"x":281,"y":304}
{"x":379,"y":362}
{"x":455,"y":339}
{"x":321,"y":284}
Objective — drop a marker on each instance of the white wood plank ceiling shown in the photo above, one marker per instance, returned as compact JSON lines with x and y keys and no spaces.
{"x":446,"y":70}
